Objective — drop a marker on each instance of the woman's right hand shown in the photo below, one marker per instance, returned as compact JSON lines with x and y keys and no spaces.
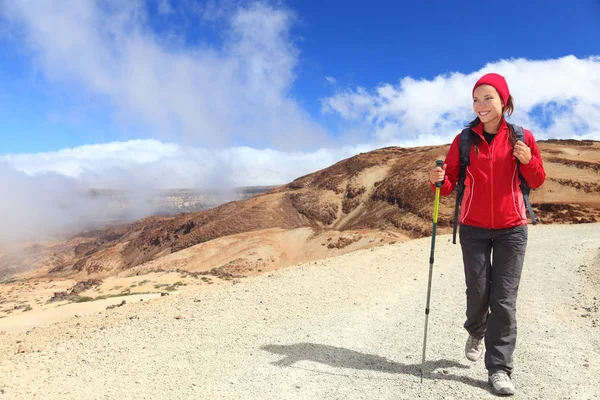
{"x":436,"y":174}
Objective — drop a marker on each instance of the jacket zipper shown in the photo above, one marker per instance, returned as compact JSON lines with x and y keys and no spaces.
{"x":492,"y":181}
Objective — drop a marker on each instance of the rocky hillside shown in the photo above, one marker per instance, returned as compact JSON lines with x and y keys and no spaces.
{"x":382,"y":190}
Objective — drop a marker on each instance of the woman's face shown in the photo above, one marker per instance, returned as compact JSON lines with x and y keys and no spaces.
{"x":487,"y":104}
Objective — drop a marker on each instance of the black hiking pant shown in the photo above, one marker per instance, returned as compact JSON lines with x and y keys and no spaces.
{"x":493,"y":261}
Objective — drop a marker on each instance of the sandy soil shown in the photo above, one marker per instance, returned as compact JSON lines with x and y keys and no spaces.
{"x":23,"y":298}
{"x":346,"y":327}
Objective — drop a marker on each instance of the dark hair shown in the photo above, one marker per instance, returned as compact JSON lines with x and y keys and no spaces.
{"x":508,"y":109}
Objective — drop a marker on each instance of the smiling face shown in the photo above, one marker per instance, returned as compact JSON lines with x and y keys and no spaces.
{"x":487,"y":104}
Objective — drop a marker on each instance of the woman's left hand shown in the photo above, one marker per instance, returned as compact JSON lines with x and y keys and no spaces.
{"x":522,"y":152}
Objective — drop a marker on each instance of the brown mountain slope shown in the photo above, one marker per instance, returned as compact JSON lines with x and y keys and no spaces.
{"x":383,"y":191}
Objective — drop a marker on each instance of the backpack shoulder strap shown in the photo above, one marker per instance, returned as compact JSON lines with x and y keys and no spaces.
{"x":465,"y":147}
{"x":519,"y":132}
{"x":520,"y":135}
{"x":464,"y":150}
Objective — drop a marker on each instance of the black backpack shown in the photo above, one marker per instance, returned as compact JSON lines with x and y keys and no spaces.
{"x":464,"y":153}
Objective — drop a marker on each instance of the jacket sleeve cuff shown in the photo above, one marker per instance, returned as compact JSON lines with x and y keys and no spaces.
{"x":531,"y":167}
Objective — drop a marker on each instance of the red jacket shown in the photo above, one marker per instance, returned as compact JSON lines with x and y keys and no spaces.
{"x":492,"y":197}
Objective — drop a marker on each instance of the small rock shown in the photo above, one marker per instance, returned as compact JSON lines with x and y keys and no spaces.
{"x":164,"y":294}
{"x":586,"y":365}
{"x":180,"y":317}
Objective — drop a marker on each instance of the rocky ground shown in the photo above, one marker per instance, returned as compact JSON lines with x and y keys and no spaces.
{"x":346,"y":327}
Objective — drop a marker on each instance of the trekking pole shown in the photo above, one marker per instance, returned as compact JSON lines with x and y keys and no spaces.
{"x":440,"y":164}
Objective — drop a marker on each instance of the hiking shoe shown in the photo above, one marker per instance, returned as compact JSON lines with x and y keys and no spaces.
{"x":473,"y":348}
{"x":501,"y":383}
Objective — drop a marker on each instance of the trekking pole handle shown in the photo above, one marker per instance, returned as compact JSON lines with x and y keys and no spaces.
{"x":439,"y":163}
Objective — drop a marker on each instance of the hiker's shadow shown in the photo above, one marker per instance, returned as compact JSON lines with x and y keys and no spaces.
{"x":343,"y":358}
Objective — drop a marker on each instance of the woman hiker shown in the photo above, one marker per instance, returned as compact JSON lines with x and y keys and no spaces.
{"x":493,"y":225}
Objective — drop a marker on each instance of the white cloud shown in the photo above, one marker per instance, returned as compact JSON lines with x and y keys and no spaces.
{"x":331,"y":80}
{"x":211,"y":96}
{"x":433,"y":111}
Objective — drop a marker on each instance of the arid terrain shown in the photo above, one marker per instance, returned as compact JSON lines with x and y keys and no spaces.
{"x":346,"y":327}
{"x":370,"y":200}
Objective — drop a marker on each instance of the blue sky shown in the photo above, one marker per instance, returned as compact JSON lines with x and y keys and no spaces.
{"x":357,"y":45}
{"x":123,"y":93}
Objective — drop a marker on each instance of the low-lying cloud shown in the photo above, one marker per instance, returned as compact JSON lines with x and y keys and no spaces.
{"x":153,"y":164}
{"x":49,"y":193}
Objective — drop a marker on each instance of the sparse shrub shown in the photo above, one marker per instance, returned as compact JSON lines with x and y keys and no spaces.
{"x":81,"y":299}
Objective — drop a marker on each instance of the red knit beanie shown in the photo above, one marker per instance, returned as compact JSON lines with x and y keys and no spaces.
{"x":498,"y":82}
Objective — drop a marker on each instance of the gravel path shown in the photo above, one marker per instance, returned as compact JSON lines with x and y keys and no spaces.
{"x":349,"y":327}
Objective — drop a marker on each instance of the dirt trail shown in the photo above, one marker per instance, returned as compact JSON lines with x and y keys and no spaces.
{"x":349,"y":327}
